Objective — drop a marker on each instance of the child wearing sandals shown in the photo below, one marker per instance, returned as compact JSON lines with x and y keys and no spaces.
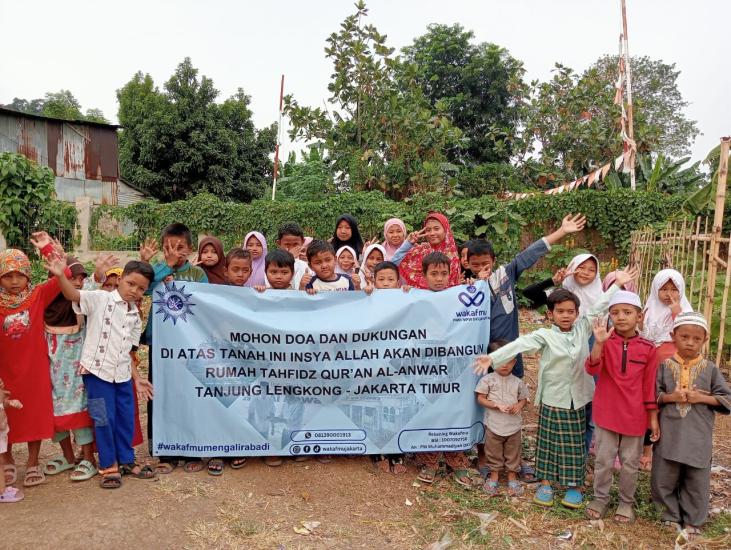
{"x":503,"y":396}
{"x":690,"y":391}
{"x":7,"y":493}
{"x":624,"y":402}
{"x":65,"y":332}
{"x":113,"y":328}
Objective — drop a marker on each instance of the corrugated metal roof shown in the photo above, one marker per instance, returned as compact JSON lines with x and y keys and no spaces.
{"x":41,"y":117}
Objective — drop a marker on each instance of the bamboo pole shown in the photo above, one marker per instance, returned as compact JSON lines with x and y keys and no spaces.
{"x":716,"y":232}
{"x":724,"y":307}
{"x":279,"y":140}
{"x":630,"y":119}
{"x":704,"y":266}
{"x":695,"y":256}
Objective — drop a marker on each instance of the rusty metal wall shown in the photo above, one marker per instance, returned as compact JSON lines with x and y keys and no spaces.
{"x":84,"y":158}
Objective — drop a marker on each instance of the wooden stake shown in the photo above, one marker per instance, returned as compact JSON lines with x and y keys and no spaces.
{"x":630,"y":119}
{"x":724,"y":307}
{"x":279,"y":141}
{"x":716,"y":231}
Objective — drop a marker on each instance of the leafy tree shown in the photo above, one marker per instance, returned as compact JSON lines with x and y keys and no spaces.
{"x":489,"y":179}
{"x":481,"y":85}
{"x":571,"y":124}
{"x":663,"y":174}
{"x":61,"y":104}
{"x":307,"y":180}
{"x":180,"y":141}
{"x":657,"y":101}
{"x":382,"y":133}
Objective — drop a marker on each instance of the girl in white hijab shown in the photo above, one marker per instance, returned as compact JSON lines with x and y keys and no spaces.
{"x":584,"y":280}
{"x":373,"y":255}
{"x":347,"y":264}
{"x":666,"y":300}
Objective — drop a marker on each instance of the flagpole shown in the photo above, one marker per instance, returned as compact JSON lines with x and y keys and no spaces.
{"x":279,"y":140}
{"x":630,"y":120}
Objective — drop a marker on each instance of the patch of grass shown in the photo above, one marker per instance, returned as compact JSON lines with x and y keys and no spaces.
{"x":719,"y":526}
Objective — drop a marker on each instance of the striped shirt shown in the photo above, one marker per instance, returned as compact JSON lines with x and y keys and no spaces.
{"x":112,"y":327}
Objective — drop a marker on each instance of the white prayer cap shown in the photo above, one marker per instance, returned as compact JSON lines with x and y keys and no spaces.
{"x":691,"y":318}
{"x":625,"y":297}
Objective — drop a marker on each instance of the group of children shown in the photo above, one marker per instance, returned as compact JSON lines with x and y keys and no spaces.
{"x":68,"y":359}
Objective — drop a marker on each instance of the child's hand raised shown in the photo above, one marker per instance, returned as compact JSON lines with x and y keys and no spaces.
{"x":573,"y":224}
{"x":55,"y":265}
{"x":415,"y":236}
{"x":624,"y":277}
{"x":674,"y":306}
{"x":485,"y":273}
{"x":148,"y":249}
{"x":482,"y":364}
{"x":369,"y":242}
{"x":560,"y":276}
{"x":306,"y":278}
{"x":103,"y":263}
{"x":41,"y":239}
{"x":601,"y":334}
{"x":368,"y":289}
{"x":356,"y":281}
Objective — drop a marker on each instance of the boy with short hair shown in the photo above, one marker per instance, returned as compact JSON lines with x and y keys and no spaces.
{"x":291,"y":238}
{"x":177,"y":245}
{"x":624,"y":402}
{"x":279,"y":268}
{"x":321,"y":257}
{"x":113,"y":331}
{"x":564,"y":389}
{"x":503,"y":396}
{"x":690,"y":390}
{"x":501,"y":280}
{"x":238,"y":266}
{"x":436,"y":266}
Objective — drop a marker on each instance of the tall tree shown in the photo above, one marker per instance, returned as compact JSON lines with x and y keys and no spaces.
{"x":571,"y":124}
{"x":61,"y":104}
{"x":180,"y":141}
{"x":480,"y":84}
{"x":381,"y":132}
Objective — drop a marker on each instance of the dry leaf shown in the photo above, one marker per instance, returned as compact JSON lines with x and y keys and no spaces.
{"x":301,"y":530}
{"x":598,"y":523}
{"x":519,"y":524}
{"x":311,"y":525}
{"x":408,"y":502}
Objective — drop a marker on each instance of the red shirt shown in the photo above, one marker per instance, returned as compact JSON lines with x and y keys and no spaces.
{"x":625,"y":390}
{"x":24,"y":365}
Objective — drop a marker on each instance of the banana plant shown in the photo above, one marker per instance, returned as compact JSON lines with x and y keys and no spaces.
{"x":668,"y":175}
{"x":702,"y":197}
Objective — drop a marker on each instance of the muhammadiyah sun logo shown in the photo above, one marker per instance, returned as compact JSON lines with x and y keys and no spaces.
{"x":174,"y":303}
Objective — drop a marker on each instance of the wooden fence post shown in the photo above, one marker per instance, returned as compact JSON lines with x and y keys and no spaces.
{"x":713,"y":251}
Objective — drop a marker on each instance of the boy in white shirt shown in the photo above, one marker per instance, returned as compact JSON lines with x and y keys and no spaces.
{"x":113,"y":329}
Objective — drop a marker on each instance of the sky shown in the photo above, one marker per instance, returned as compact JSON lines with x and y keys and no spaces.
{"x":94,"y":48}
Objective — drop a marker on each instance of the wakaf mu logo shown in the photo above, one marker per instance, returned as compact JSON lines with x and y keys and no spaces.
{"x":472,"y":299}
{"x":174,"y":303}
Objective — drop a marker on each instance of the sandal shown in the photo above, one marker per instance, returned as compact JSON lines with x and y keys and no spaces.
{"x":111,"y":478}
{"x":84,"y":470}
{"x":215,"y":467}
{"x":527,"y":474}
{"x":515,"y":488}
{"x":165,"y":468}
{"x":193,"y":466}
{"x":33,"y":476}
{"x":384,"y":465}
{"x":544,"y":496}
{"x":397,"y":466}
{"x":573,"y":498}
{"x":57,"y":465}
{"x":238,"y":463}
{"x":11,"y":474}
{"x":11,"y":494}
{"x":491,"y":488}
{"x":596,"y":510}
{"x":137,"y":471}
{"x":274,"y":461}
{"x":427,"y":475}
{"x":624,"y":513}
{"x":463,"y":478}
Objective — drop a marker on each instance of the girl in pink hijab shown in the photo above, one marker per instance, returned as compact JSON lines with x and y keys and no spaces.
{"x":394,"y":233}
{"x":256,"y":244}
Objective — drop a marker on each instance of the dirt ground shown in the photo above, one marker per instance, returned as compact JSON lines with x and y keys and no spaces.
{"x":345,"y":504}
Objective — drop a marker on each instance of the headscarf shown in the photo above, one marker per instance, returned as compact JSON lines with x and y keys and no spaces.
{"x":11,"y":260}
{"x":362,"y":270}
{"x":587,"y":294}
{"x":390,"y":249}
{"x":355,"y":241}
{"x":658,"y":319}
{"x":215,"y":273}
{"x":609,"y":281}
{"x":60,"y":312}
{"x":339,"y":269}
{"x":114,"y":271}
{"x":258,"y":266}
{"x":411,"y":267}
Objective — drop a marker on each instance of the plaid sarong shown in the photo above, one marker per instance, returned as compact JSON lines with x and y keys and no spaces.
{"x":560,"y":448}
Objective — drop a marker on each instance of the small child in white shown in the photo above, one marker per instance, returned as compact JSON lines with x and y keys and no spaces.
{"x":503,"y":396}
{"x":7,"y":494}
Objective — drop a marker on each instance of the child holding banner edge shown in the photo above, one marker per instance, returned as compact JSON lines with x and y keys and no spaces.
{"x":564,"y":388}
